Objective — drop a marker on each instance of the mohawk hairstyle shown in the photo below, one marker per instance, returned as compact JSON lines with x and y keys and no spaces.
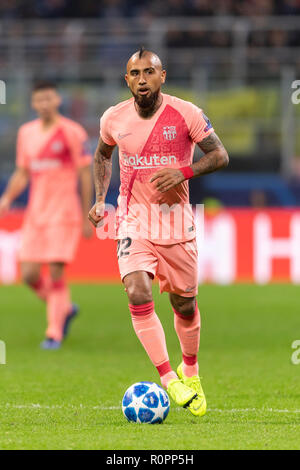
{"x":44,"y":85}
{"x":141,"y":51}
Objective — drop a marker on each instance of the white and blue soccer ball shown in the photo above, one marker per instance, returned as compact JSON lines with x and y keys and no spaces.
{"x":145,"y":402}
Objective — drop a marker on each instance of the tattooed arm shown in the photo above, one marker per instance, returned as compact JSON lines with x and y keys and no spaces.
{"x":102,"y":176}
{"x":215,"y":156}
{"x":102,"y":169}
{"x":214,"y":159}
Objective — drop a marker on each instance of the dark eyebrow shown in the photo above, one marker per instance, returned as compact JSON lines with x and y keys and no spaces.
{"x":145,"y":70}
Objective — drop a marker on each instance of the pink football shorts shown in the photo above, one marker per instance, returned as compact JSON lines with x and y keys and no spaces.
{"x":56,"y":243}
{"x":176,"y":266}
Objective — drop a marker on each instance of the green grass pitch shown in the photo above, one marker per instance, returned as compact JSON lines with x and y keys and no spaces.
{"x":70,"y":399}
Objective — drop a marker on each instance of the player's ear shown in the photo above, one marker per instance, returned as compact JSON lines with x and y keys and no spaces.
{"x":163,"y":76}
{"x":126,"y":78}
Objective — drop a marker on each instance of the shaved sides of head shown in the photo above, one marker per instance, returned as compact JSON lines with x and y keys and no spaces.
{"x":143,"y":53}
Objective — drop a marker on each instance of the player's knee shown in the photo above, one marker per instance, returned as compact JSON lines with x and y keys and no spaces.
{"x":185,"y":306}
{"x":30,"y":277}
{"x":138,"y":296}
{"x":187,"y":309}
{"x":139,"y":288}
{"x":56,"y":271}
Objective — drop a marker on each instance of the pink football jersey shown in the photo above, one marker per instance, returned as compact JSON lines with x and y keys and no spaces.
{"x":53,"y":158}
{"x":166,"y":140}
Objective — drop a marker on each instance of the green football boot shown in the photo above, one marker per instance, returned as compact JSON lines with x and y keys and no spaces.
{"x":198,"y":405}
{"x":180,"y":393}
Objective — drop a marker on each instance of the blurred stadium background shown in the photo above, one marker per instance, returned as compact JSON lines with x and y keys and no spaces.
{"x":235,"y":59}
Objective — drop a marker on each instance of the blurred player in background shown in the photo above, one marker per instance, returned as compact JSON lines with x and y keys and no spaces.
{"x":52,"y":154}
{"x":156,"y":135}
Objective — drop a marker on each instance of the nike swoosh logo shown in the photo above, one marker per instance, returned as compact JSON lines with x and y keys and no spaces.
{"x":124,"y":135}
{"x":196,"y":408}
{"x":189,"y":289}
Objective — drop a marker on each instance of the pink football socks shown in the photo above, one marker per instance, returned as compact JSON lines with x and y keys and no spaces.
{"x":56,"y":294}
{"x":188,"y":332}
{"x":150,"y":332}
{"x":58,"y":307}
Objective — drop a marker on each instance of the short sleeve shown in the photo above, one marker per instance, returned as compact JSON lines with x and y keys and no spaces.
{"x":21,"y":157}
{"x":199,"y":125}
{"x":105,"y":128}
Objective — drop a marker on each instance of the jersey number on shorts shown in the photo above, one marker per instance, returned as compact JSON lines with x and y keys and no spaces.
{"x":122,"y":247}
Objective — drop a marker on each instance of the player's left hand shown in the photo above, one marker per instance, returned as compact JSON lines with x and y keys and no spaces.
{"x":167,"y":178}
{"x":87,"y":229}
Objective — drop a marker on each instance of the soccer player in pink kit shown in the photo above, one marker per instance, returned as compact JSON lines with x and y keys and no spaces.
{"x":156,"y":135}
{"x":52,"y":155}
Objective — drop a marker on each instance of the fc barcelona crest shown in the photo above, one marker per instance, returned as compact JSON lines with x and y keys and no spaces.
{"x":169,"y":132}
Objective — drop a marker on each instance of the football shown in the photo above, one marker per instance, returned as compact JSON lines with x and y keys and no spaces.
{"x":145,"y":402}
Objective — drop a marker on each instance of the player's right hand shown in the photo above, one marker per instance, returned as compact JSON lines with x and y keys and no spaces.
{"x":4,"y":205}
{"x":96,"y":214}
